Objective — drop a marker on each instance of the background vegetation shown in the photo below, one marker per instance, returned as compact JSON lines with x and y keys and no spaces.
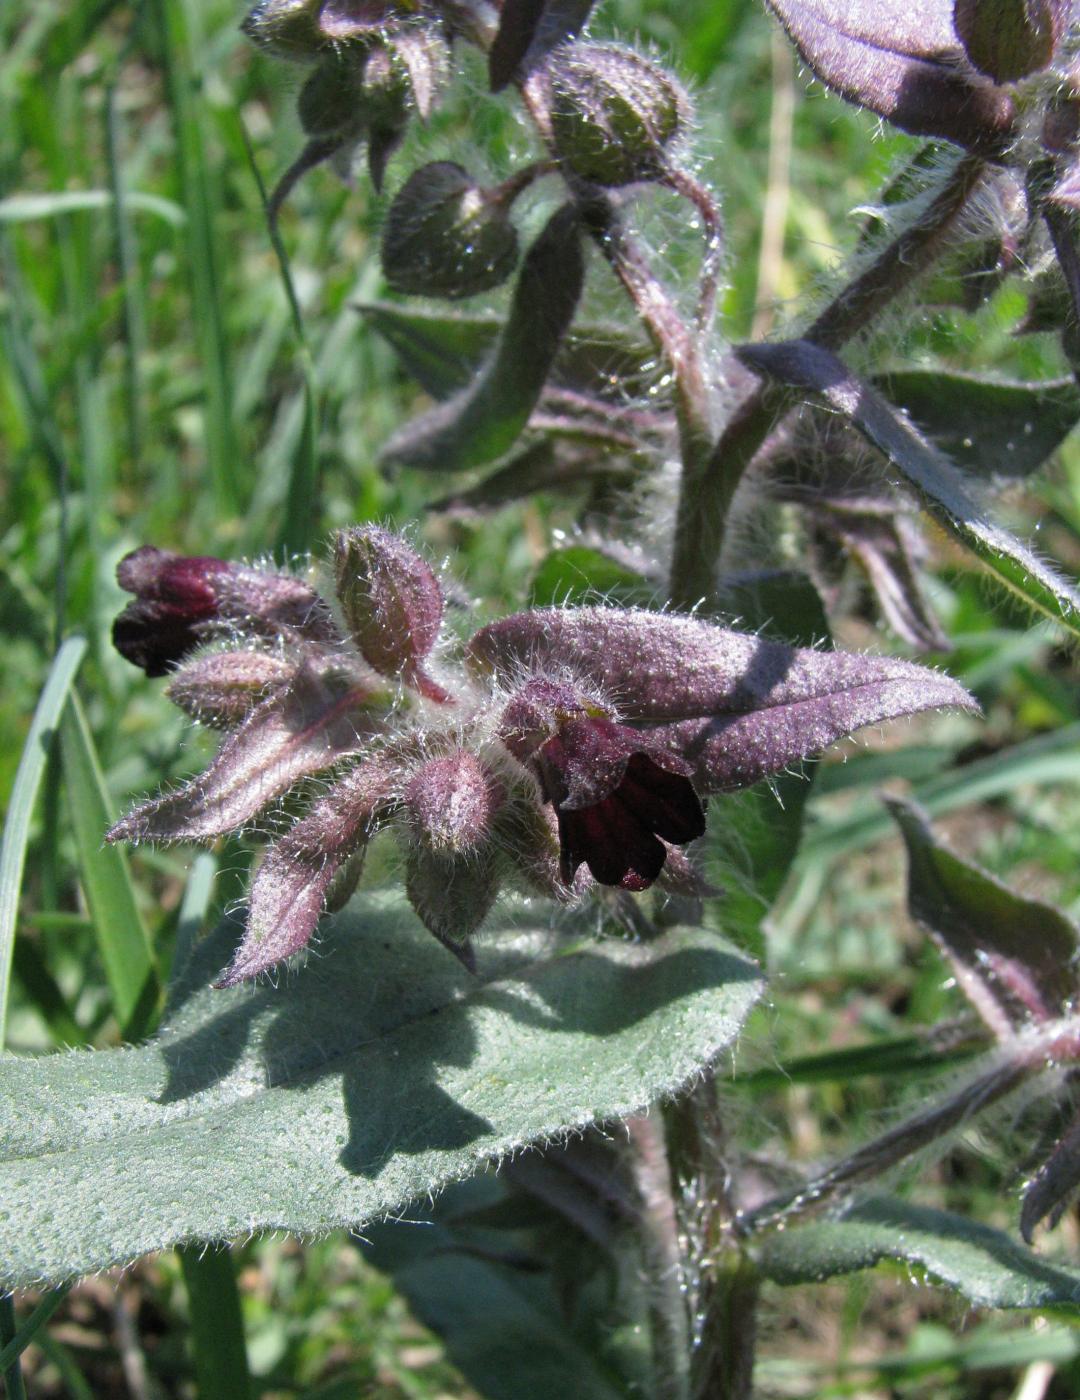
{"x":158,"y":385}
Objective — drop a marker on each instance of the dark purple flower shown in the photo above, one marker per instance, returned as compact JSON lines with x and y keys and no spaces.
{"x":180,"y":599}
{"x":617,"y":798}
{"x":175,"y":597}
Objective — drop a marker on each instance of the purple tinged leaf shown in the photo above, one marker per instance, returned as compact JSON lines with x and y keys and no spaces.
{"x":291,"y":885}
{"x":319,"y":720}
{"x":886,"y":546}
{"x":222,"y":688}
{"x":902,"y":60}
{"x":1012,"y":957}
{"x":936,"y":483}
{"x":1048,"y":1193}
{"x":453,"y":895}
{"x":1008,"y":39}
{"x":528,"y":31}
{"x":392,"y":602}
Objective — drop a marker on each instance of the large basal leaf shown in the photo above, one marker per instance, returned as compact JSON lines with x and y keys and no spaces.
{"x":990,"y":427}
{"x":934,"y":479}
{"x":986,"y":1266}
{"x":378,"y":1074}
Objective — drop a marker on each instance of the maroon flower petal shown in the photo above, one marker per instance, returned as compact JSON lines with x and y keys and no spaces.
{"x":175,"y":598}
{"x":613,"y":843}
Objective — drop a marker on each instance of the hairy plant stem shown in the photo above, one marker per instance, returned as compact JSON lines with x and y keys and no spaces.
{"x":876,"y":1157}
{"x":669,"y":1324}
{"x":726,"y":1278}
{"x":1061,"y":225}
{"x":708,"y":488}
{"x":677,"y":342}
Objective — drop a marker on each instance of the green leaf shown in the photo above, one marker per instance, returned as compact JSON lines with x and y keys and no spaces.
{"x":1012,"y":956}
{"x":502,"y":1325}
{"x":28,"y":778}
{"x":378,"y":1074}
{"x":933,"y":478}
{"x":443,"y":350}
{"x":992,"y":428}
{"x":22,"y":208}
{"x":581,"y":574}
{"x":121,"y":936}
{"x":986,"y":1266}
{"x":484,"y":421}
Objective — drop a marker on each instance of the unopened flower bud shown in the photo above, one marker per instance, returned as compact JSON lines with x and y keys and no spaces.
{"x":613,"y":114}
{"x":1008,"y":39}
{"x":180,"y":599}
{"x":452,"y":895}
{"x":446,"y":236}
{"x":221,"y":689}
{"x":451,"y":803}
{"x":287,"y":29}
{"x":330,"y":102}
{"x":392,"y":602}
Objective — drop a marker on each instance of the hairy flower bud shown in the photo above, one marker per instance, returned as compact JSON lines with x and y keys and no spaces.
{"x":330,"y":102}
{"x":180,"y":599}
{"x":392,"y":602}
{"x":1008,"y":39}
{"x":613,"y":113}
{"x":446,"y":236}
{"x":451,"y":803}
{"x":287,"y":29}
{"x":221,"y":689}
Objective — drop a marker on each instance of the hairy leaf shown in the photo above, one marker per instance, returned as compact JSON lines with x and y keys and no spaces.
{"x":985,"y":1266}
{"x":528,"y":31}
{"x":1049,"y":1191}
{"x":318,"y":722}
{"x":991,"y":427}
{"x":927,"y":471}
{"x":485,"y":420}
{"x":377,"y":1075}
{"x":903,"y":61}
{"x":1012,"y":956}
{"x":736,"y":706}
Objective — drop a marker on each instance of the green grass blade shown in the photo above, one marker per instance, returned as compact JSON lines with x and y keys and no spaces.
{"x":22,"y":1338}
{"x":27,"y":781}
{"x":300,"y":521}
{"x":23,"y":208}
{"x":217,"y":1325}
{"x":1053,"y":757}
{"x":205,"y":250}
{"x":14,"y":1387}
{"x":121,"y":935}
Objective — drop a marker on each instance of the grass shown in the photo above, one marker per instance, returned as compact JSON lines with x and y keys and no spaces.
{"x":169,"y":375}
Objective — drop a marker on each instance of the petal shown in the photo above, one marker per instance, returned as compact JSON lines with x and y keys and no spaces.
{"x":614,"y":845}
{"x":663,"y":802}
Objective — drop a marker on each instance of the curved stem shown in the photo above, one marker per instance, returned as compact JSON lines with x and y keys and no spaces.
{"x":684,"y":184}
{"x":707,"y":495}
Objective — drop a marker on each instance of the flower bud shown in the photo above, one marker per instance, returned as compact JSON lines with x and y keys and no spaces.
{"x":392,"y":602}
{"x":613,"y":114}
{"x":287,"y":29}
{"x":330,"y":102}
{"x":446,"y":236}
{"x":181,"y":599}
{"x":1008,"y":39}
{"x":451,"y":803}
{"x":452,"y":895}
{"x":221,"y":689}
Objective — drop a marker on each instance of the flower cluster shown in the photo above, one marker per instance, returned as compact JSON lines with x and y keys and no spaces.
{"x":561,"y":747}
